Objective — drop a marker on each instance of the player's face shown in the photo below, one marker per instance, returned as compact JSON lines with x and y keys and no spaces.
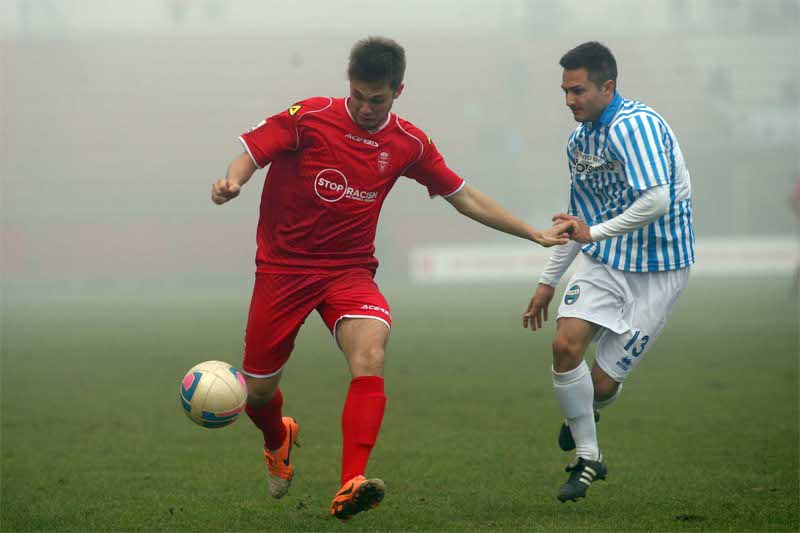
{"x":586,"y":100}
{"x":369,"y":103}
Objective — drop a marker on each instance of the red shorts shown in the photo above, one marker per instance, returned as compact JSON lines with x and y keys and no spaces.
{"x":282,"y":302}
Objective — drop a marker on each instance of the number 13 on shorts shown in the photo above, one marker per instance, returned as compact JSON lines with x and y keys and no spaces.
{"x":632,"y":344}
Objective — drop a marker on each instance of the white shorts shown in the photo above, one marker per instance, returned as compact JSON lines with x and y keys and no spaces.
{"x":631,"y":309}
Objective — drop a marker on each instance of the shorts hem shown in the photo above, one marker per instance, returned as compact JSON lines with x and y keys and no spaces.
{"x":355,"y":316}
{"x":593,"y":320}
{"x":611,"y":373}
{"x":262,"y":376}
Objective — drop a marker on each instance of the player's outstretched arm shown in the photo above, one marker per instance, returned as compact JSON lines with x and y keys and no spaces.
{"x":240,"y":171}
{"x":480,"y":207}
{"x":649,"y":207}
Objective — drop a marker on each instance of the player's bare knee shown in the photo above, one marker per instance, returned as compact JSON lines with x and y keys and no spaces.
{"x":367,"y":362}
{"x":567,"y":354}
{"x":605,"y":389}
{"x":260,"y":390}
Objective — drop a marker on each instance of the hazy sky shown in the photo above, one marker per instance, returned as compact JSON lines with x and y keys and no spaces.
{"x":117,"y":116}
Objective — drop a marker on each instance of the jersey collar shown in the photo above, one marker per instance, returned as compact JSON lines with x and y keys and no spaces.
{"x":371,"y":132}
{"x":610,"y":110}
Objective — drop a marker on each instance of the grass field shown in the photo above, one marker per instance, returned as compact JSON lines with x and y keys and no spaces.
{"x":705,"y":436}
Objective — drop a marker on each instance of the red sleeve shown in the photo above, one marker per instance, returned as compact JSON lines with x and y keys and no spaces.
{"x":431,"y":171}
{"x":278,"y":133}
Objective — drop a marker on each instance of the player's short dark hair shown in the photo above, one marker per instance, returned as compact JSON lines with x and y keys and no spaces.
{"x":376,"y":59}
{"x":596,"y":58}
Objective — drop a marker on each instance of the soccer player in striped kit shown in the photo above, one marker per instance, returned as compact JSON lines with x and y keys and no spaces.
{"x":332,"y":163}
{"x":630,"y":197}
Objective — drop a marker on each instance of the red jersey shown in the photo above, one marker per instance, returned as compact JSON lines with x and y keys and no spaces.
{"x":327,"y":181}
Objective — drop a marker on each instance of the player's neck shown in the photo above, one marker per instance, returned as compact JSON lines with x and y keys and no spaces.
{"x":372,"y":131}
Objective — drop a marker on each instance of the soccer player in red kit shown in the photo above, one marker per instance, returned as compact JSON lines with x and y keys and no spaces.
{"x":332,"y":163}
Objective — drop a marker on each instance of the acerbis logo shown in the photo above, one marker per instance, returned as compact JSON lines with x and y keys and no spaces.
{"x":356,"y":138}
{"x":331,"y":186}
{"x":572,"y":295}
{"x":375,"y":308}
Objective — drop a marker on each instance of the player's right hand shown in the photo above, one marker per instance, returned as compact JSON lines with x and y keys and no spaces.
{"x":557,"y":235}
{"x":536,"y":315}
{"x":223,"y":190}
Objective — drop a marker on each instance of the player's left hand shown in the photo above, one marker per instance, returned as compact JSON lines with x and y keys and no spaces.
{"x":557,"y":235}
{"x":580,"y":232}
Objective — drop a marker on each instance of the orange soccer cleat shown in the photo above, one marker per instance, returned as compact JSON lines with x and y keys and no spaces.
{"x":279,"y":466}
{"x":358,"y":494}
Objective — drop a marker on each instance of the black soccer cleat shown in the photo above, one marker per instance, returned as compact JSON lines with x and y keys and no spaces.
{"x":582,"y":474}
{"x":565,"y":440}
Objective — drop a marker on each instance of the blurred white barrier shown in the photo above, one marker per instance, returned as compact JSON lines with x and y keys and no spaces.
{"x":715,"y":256}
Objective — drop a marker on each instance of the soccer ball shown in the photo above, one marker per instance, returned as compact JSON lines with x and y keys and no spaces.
{"x":213,"y":394}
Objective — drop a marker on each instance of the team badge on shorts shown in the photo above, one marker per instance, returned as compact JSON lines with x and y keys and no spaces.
{"x":572,"y":295}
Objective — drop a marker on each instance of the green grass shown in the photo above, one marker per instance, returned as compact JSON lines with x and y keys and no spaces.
{"x":705,"y":436}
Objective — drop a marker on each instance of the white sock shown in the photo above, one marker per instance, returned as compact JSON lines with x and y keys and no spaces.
{"x":575,"y":394}
{"x":606,"y":403}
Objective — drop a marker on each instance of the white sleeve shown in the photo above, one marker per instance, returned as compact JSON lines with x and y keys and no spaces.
{"x":649,"y":207}
{"x":562,"y":258}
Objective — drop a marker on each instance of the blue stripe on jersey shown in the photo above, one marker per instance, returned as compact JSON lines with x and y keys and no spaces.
{"x":628,"y":251}
{"x":631,"y":148}
{"x":676,"y":252}
{"x":637,"y":152}
{"x":664,"y":173}
{"x":688,"y":215}
{"x":652,"y":254}
{"x":595,"y":206}
{"x":617,"y":252}
{"x":640,"y":249}
{"x":664,"y":247}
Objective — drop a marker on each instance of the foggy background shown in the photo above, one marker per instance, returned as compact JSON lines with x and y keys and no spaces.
{"x":118,"y":116}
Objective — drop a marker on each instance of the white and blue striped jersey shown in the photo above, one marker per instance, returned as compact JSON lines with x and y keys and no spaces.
{"x":630,"y":148}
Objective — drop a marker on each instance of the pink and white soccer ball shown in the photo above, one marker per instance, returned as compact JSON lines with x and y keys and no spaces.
{"x":213,"y":394}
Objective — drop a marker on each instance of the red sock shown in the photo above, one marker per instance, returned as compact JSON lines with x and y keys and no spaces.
{"x":269,"y":420}
{"x":361,"y":423}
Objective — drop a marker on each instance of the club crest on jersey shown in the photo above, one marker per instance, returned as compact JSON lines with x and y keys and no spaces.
{"x":383,"y":161}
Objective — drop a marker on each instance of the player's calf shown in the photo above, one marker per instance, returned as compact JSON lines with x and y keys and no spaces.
{"x":565,"y":440}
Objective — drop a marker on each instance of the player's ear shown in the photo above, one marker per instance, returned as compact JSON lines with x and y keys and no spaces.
{"x":399,"y":90}
{"x":608,"y":87}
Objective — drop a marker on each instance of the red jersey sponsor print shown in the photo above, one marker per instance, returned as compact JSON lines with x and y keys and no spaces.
{"x":327,"y":181}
